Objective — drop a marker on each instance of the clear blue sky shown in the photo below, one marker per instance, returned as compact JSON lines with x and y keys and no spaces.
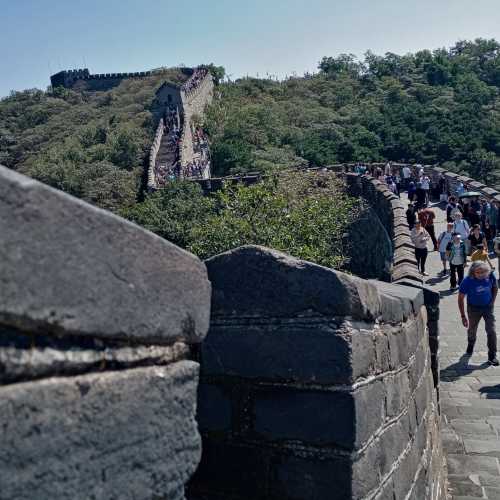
{"x":40,"y":37}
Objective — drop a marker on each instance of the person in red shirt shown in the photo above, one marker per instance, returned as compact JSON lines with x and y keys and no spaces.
{"x":426,"y":217}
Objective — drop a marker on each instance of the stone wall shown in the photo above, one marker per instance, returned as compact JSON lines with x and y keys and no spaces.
{"x":97,"y":392}
{"x":194,"y":103}
{"x":391,"y":213}
{"x":314,"y":384}
{"x":101,"y":81}
{"x":153,"y":153}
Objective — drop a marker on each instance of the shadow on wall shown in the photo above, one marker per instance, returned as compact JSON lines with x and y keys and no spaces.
{"x":369,"y":247}
{"x":314,"y":385}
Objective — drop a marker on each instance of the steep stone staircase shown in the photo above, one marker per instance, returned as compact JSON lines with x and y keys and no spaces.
{"x":167,"y":155}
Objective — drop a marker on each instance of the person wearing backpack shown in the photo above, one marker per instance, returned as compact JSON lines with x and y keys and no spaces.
{"x":457,"y":256}
{"x":480,"y":287}
{"x":444,"y":238}
{"x":461,"y":226}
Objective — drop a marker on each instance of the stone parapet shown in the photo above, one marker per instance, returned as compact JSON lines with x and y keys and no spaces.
{"x":391,"y":213}
{"x":153,"y":153}
{"x":314,"y":383}
{"x":97,"y":395}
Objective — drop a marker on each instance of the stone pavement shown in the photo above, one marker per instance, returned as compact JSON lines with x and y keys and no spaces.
{"x":469,"y":395}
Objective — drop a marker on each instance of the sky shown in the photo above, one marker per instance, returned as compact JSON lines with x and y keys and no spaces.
{"x":247,"y":37}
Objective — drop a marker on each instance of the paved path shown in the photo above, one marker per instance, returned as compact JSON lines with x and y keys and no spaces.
{"x":469,"y":395}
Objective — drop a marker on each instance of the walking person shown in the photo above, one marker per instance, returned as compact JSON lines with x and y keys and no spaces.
{"x":406,"y":172}
{"x":411,"y":216}
{"x":444,"y":239}
{"x":452,"y":209}
{"x":476,"y":237}
{"x":493,"y":217}
{"x":426,"y":216}
{"x":412,"y":190}
{"x":420,"y":196}
{"x":420,"y":237}
{"x":480,"y":287}
{"x":457,"y":256}
{"x":461,"y":227}
{"x":489,"y":234}
{"x":426,"y":186}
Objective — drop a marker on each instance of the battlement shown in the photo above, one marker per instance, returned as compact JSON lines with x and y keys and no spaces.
{"x":68,"y":78}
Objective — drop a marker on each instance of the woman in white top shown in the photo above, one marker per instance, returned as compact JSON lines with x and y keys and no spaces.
{"x":420,"y":237}
{"x":426,"y":186}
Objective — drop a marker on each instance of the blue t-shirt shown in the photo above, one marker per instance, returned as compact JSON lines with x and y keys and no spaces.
{"x":479,"y":292}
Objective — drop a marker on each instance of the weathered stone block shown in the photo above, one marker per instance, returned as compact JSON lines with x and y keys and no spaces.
{"x":68,"y":267}
{"x":282,"y":413}
{"x":126,"y":434}
{"x":307,"y":351}
{"x":214,"y":412}
{"x":253,"y":281}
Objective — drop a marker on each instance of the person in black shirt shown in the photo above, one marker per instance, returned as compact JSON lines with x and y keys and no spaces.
{"x":476,"y":238}
{"x":411,"y":216}
{"x":421,"y":196}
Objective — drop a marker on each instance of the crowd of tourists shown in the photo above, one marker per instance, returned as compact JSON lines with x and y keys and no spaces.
{"x":470,"y":241}
{"x":198,"y":168}
{"x":166,"y":172}
{"x":194,"y":80}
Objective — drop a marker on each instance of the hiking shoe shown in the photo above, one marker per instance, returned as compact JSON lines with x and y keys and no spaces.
{"x":493,"y":361}
{"x":425,"y":274}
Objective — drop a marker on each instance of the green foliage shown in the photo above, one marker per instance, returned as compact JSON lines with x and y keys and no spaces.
{"x":173,"y":212}
{"x":428,"y":107}
{"x":218,"y":72}
{"x":303,"y":214}
{"x":89,"y":144}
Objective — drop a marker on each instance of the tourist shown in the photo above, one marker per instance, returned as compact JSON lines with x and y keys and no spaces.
{"x":461,"y":227}
{"x":481,"y":290}
{"x":460,"y":189}
{"x":406,"y":173}
{"x":392,"y":185}
{"x":474,"y":211}
{"x":421,"y":196}
{"x":420,"y":237}
{"x":476,"y":237}
{"x":397,"y":181}
{"x":426,"y":186}
{"x":411,"y":191}
{"x":452,"y":209}
{"x":457,"y":258}
{"x":388,"y":169}
{"x":442,"y":188}
{"x":496,"y":248}
{"x":426,"y":216}
{"x":485,"y":211}
{"x":481,"y":255}
{"x":411,"y":216}
{"x":493,"y":217}
{"x":489,"y":235}
{"x":444,"y":239}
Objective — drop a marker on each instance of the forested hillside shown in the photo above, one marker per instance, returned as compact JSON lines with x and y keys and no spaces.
{"x":90,"y":144}
{"x":432,"y":107}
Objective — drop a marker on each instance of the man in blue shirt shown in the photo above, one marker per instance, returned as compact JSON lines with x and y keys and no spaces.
{"x":481,"y":290}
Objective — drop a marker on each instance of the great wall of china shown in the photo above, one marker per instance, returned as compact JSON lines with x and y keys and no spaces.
{"x":130,"y":369}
